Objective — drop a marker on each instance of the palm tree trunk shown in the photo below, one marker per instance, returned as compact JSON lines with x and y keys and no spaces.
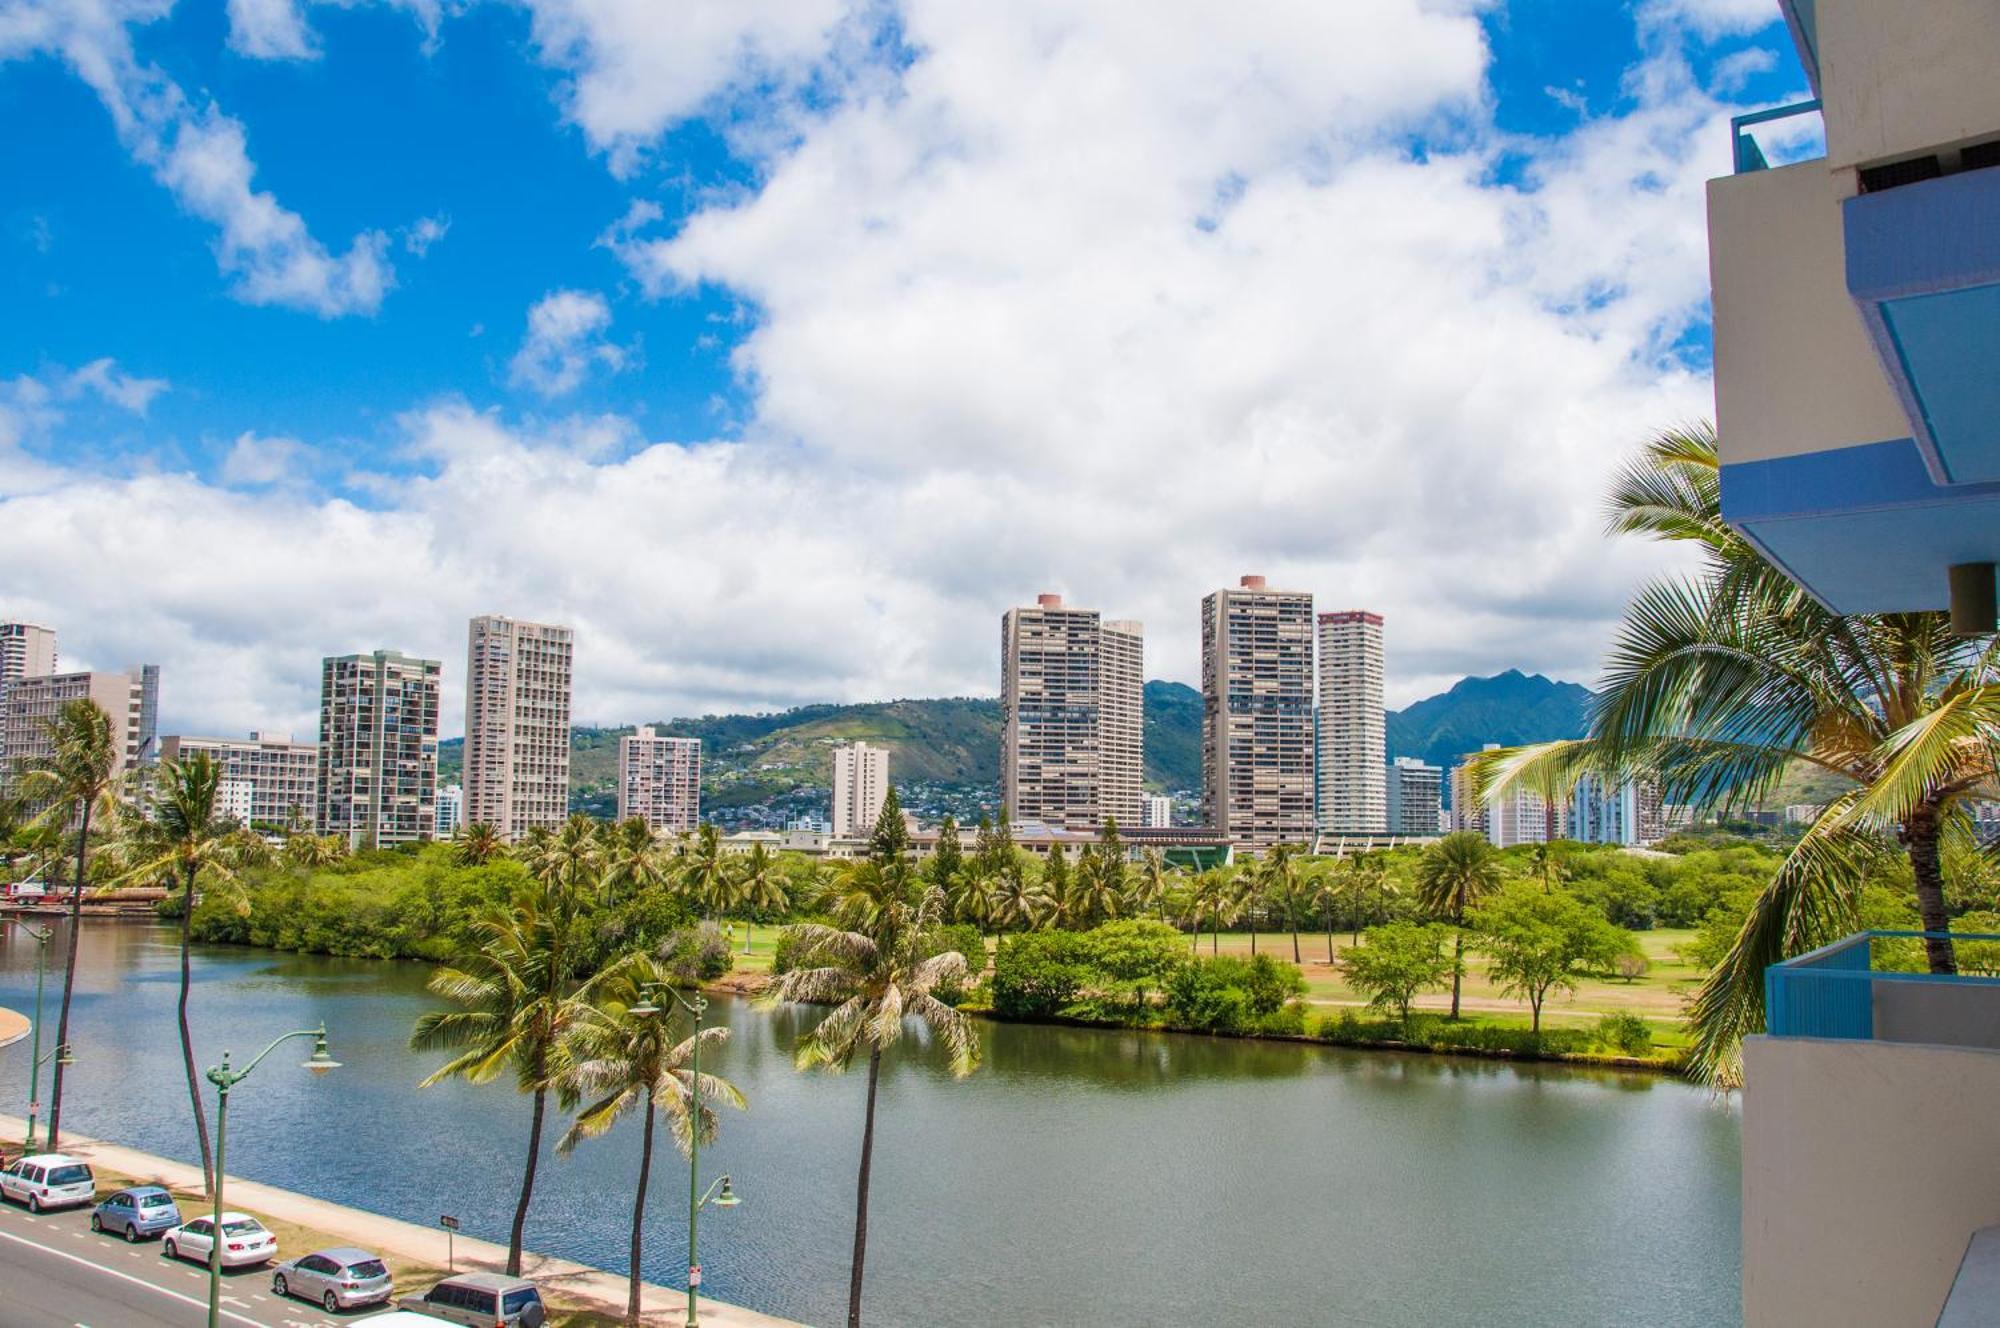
{"x":527,"y":1184}
{"x":187,"y":1041}
{"x":1329,"y":936}
{"x":69,"y":980}
{"x":1920,"y":842}
{"x":1295,"y":938}
{"x":1251,"y":914}
{"x":639,"y":1214}
{"x":861,"y":1194}
{"x":1457,"y":967}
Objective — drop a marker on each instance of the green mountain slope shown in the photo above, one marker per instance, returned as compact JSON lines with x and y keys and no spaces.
{"x":1509,"y":708}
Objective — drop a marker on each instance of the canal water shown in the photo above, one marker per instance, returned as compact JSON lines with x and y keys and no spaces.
{"x":1079,"y":1177}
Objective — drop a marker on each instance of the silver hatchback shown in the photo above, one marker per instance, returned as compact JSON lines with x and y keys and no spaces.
{"x":339,"y":1279}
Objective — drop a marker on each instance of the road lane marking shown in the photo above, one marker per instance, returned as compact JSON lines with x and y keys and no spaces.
{"x":125,"y":1277}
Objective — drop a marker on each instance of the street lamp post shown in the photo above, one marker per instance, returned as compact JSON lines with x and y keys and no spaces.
{"x":41,"y":935}
{"x":225,"y":1079}
{"x":697,"y":1200}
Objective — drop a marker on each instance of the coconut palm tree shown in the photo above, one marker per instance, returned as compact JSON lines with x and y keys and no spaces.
{"x":513,"y":1005}
{"x":1280,"y":876}
{"x":1453,"y":876}
{"x":185,"y":840}
{"x":1214,"y":896}
{"x":477,"y":844}
{"x":1151,"y":884}
{"x":879,"y":980}
{"x":975,"y":895}
{"x":1021,"y":900}
{"x":635,"y":861}
{"x":705,"y":872}
{"x":304,"y":850}
{"x":759,"y":887}
{"x":1097,"y":889}
{"x":1329,"y":887}
{"x":620,"y":1058}
{"x":1722,"y":680}
{"x":571,"y":859}
{"x":78,"y":779}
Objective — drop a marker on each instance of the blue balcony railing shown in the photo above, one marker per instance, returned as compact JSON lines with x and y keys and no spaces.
{"x":1743,"y":148}
{"x":1842,"y":991}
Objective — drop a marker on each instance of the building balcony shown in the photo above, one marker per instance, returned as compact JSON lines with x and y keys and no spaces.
{"x":1869,"y":1138}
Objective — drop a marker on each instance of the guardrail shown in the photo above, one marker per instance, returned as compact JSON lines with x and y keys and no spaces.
{"x":1743,"y":148}
{"x":1837,"y":992}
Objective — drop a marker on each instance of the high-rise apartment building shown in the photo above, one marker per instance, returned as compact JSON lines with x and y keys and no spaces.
{"x":278,"y":778}
{"x":450,"y":810}
{"x":1257,"y":713}
{"x":1157,"y":813}
{"x":1072,"y":698}
{"x":517,"y":703}
{"x":1353,"y":793}
{"x":860,"y":786}
{"x":378,"y":724}
{"x":26,"y":651}
{"x":130,"y":698}
{"x":1468,"y":812}
{"x":1415,"y":796}
{"x":1628,"y":812}
{"x":659,"y":780}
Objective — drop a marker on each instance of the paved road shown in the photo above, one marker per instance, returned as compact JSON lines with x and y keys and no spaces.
{"x":56,"y":1273}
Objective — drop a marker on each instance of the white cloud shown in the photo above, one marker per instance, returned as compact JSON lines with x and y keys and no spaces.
{"x":201,"y":155}
{"x":1713,"y":18}
{"x":426,"y":232}
{"x":565,"y":339}
{"x":269,"y":30}
{"x":102,"y":378}
{"x":254,"y":462}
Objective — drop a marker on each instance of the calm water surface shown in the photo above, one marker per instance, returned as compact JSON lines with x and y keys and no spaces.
{"x":1080,"y":1177}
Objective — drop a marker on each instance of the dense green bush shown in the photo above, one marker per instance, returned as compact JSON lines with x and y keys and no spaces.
{"x":1440,"y":1034}
{"x":1038,"y":974}
{"x":1627,"y":1034}
{"x":696,"y":954}
{"x":1226,"y":993}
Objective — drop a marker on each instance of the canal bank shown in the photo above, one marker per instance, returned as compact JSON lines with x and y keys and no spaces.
{"x":564,"y":1283}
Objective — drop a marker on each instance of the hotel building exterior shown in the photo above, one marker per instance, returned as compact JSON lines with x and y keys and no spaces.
{"x":26,"y":651}
{"x":517,"y":707}
{"x":1415,"y":797}
{"x":277,"y":779}
{"x":1071,"y":714}
{"x":1353,"y":792}
{"x":130,"y":698}
{"x":1257,"y":714}
{"x":378,"y":724}
{"x":659,"y":780}
{"x":860,"y":787}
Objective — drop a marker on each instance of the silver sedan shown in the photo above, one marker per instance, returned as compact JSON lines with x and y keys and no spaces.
{"x":339,"y":1279}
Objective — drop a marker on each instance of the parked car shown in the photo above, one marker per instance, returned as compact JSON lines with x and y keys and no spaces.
{"x":48,"y":1180}
{"x":142,"y":1211}
{"x":339,"y":1279}
{"x":245,"y":1241}
{"x":400,"y":1319}
{"x":485,"y":1300}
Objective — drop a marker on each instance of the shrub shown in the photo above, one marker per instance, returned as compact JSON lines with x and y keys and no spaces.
{"x":1626,"y":1033}
{"x":1038,"y":974}
{"x":965,"y":939}
{"x":1135,"y":955}
{"x":1630,"y":965}
{"x":697,"y":954}
{"x":1226,"y":993}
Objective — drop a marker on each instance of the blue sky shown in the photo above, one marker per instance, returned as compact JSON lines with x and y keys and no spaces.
{"x":918,"y":313}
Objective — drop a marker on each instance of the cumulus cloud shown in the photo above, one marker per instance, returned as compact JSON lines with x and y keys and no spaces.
{"x":269,"y":30}
{"x":426,"y":232}
{"x":101,"y":377}
{"x":254,"y":462}
{"x":565,"y":339}
{"x":201,"y":155}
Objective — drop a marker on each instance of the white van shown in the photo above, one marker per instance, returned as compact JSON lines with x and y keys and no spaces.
{"x":48,"y":1180}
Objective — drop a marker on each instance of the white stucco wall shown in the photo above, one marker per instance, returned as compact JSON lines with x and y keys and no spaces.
{"x":1866,"y":1168}
{"x":1794,"y":369}
{"x":1898,"y":79}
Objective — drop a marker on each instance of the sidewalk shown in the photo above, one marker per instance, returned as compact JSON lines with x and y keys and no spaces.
{"x":587,"y":1288}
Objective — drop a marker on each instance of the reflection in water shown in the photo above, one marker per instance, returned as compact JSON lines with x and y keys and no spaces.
{"x":1081,"y":1176}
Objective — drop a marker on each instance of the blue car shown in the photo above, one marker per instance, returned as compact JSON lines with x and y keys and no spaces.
{"x":142,"y":1211}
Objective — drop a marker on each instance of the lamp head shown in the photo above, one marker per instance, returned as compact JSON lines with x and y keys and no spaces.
{"x":728,"y":1198}
{"x":320,"y":1062}
{"x":64,"y":1057}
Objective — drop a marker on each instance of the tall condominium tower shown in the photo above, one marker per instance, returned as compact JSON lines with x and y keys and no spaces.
{"x":1071,"y":700}
{"x":1628,"y":812}
{"x":659,"y":780}
{"x":277,"y":779}
{"x":131,"y":698}
{"x":1415,"y":797}
{"x":860,"y":786}
{"x":26,"y":651}
{"x":1257,"y":720}
{"x":1353,"y":797}
{"x":517,"y":690}
{"x":378,"y":724}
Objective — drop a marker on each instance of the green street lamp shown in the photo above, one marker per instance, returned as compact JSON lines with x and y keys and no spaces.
{"x":225,"y":1079}
{"x":41,"y":935}
{"x":719,"y":1192}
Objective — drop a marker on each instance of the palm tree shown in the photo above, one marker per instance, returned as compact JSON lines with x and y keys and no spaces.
{"x":1097,"y":889}
{"x":1546,"y":864}
{"x":571,"y":859}
{"x":185,"y":840}
{"x":759,"y":887}
{"x":478,"y":844}
{"x":634,"y":859}
{"x":1215,"y":897}
{"x":514,"y":1007}
{"x":1021,"y":900}
{"x":1723,"y":680}
{"x":1453,"y":876}
{"x":879,"y":980}
{"x":620,"y":1057}
{"x":1280,"y":875}
{"x":704,"y":872}
{"x":77,"y":779}
{"x":303,"y":850}
{"x":1329,"y":887}
{"x":1151,"y":884}
{"x":975,"y":896}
